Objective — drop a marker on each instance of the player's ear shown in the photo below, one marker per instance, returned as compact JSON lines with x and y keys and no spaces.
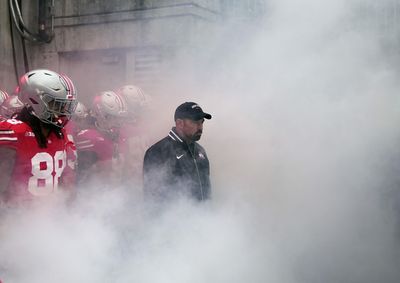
{"x":179,"y":123}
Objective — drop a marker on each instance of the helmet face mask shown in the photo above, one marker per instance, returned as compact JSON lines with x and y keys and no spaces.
{"x":50,"y":97}
{"x":112,"y":122}
{"x":57,"y":111}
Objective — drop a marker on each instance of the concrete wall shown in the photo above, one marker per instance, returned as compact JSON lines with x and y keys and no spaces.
{"x":7,"y":74}
{"x":103,"y":44}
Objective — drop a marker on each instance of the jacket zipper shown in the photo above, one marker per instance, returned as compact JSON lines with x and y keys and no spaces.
{"x":197,"y":170}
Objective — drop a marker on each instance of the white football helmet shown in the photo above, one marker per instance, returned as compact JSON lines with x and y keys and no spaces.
{"x":10,"y":106}
{"x":109,"y":109}
{"x":135,"y":98}
{"x":49,"y":96}
{"x":3,"y":96}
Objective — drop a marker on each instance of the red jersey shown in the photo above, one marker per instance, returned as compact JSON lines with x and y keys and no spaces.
{"x":37,"y":171}
{"x":73,"y":127}
{"x":109,"y":154}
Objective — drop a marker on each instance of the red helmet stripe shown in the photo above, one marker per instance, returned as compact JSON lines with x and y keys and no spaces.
{"x":70,"y":86}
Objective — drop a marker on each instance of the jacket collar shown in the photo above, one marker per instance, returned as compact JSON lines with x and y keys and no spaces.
{"x":173,"y":135}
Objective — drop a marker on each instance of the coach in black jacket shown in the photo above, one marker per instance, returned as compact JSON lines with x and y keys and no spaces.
{"x":178,"y":165}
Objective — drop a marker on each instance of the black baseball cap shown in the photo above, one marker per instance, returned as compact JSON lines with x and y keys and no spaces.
{"x":190,"y":110}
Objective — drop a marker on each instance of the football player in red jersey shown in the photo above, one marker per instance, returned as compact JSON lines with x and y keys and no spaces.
{"x":101,"y":149}
{"x":36,"y":154}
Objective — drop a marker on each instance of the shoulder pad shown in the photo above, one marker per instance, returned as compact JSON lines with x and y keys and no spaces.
{"x":14,"y":125}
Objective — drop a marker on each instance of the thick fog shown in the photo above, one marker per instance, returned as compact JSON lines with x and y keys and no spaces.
{"x":304,"y":152}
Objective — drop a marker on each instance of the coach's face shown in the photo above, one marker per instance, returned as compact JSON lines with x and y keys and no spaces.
{"x":191,"y":130}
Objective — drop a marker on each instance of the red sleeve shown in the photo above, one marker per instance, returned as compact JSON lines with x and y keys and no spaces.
{"x":10,"y":131}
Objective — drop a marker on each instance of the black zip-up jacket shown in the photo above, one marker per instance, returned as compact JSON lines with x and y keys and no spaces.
{"x":172,"y":167}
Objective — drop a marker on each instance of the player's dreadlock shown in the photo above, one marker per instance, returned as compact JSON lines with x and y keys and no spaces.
{"x":34,"y":122}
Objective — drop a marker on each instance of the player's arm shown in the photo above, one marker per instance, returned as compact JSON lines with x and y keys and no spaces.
{"x":7,"y":160}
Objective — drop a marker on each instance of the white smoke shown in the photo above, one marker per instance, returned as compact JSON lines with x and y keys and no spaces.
{"x":304,"y":159}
